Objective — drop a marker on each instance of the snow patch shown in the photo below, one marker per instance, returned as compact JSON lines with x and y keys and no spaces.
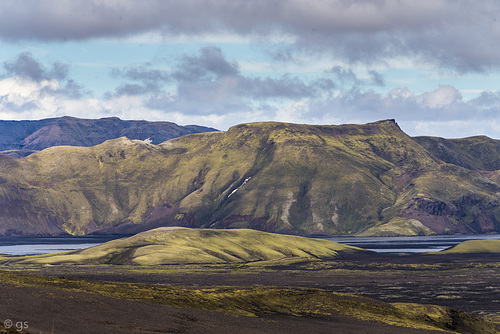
{"x":244,"y":182}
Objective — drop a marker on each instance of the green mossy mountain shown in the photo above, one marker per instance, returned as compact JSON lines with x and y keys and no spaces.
{"x":370,"y":179}
{"x":179,"y":245}
{"x":477,"y":153}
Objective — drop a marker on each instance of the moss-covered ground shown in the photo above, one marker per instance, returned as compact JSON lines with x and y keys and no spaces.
{"x":177,"y":245}
{"x":476,"y":246}
{"x":424,"y":292}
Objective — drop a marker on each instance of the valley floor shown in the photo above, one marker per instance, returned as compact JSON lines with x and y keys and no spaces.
{"x":60,"y":311}
{"x":88,"y":298}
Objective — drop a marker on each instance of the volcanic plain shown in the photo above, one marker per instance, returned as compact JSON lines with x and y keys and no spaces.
{"x":323,"y":288}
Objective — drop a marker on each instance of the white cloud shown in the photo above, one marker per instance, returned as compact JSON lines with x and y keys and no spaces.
{"x":441,"y":112}
{"x":17,"y":89}
{"x":455,"y":128}
{"x":400,"y":93}
{"x":25,"y":95}
{"x":208,"y":89}
{"x":442,"y":97}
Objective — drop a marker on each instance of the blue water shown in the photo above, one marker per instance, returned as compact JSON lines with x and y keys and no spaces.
{"x":418,"y":244}
{"x":42,"y":245}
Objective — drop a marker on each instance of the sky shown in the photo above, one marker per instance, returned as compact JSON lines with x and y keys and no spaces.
{"x":433,"y":66}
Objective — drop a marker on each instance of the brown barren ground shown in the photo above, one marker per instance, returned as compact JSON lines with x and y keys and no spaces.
{"x":469,"y":283}
{"x":59,"y":311}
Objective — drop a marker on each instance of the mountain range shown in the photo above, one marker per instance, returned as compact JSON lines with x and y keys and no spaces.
{"x":370,"y":179}
{"x":21,"y":138}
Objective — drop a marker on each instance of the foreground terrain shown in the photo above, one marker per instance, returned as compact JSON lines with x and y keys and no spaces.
{"x":285,"y":296}
{"x":224,"y":281}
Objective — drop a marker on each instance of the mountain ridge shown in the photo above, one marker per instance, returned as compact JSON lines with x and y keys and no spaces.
{"x":370,"y":179}
{"x":21,"y":138}
{"x":477,"y":152}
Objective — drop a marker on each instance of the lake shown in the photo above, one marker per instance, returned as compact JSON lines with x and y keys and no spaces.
{"x":405,"y":245}
{"x":41,"y":245}
{"x":419,"y":244}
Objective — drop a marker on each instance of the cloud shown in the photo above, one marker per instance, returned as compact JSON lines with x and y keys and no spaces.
{"x":210,"y":71}
{"x":376,"y":78}
{"x":74,"y":90}
{"x":209,"y":83}
{"x":26,"y":98}
{"x":440,"y":98}
{"x":441,"y":112}
{"x":210,"y":64}
{"x":459,"y":35}
{"x":284,"y":87}
{"x":27,"y":66}
{"x":344,"y":75}
{"x":146,"y":79}
{"x":28,"y":88}
{"x":207,"y":88}
{"x":142,"y":73}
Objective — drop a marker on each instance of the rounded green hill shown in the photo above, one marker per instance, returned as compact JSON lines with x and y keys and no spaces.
{"x":177,"y":245}
{"x":475,"y":246}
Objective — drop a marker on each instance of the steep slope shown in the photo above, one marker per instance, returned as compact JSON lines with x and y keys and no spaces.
{"x":177,"y":245}
{"x":29,"y":136}
{"x":371,"y":179}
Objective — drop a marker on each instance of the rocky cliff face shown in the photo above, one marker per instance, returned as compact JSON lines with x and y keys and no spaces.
{"x":368,"y":179}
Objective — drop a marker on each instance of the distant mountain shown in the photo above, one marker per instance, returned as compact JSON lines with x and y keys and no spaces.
{"x":369,"y":179}
{"x":479,"y":152}
{"x":21,"y":138}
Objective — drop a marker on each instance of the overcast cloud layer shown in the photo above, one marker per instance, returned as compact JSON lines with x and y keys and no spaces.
{"x":456,"y":34}
{"x":208,"y":87}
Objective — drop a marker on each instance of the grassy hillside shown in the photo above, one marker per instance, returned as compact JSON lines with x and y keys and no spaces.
{"x":475,"y":246}
{"x":350,"y":179}
{"x":177,"y":245}
{"x":479,"y":152}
